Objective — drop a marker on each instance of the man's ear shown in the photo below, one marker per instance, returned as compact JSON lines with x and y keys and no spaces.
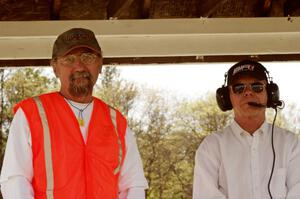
{"x":101,"y":65}
{"x":54,"y":67}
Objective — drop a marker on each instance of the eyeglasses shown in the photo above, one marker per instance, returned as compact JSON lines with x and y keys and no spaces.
{"x":85,"y":58}
{"x":257,"y":87}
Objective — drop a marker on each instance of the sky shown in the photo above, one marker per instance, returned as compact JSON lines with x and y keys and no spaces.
{"x":195,"y":80}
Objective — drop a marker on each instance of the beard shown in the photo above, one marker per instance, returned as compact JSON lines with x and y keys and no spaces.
{"x":81,"y":84}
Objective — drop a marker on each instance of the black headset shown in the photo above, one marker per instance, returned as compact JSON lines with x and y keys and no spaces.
{"x":222,"y":93}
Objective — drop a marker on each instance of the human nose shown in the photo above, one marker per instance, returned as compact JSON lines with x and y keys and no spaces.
{"x":248,"y":90}
{"x":78,"y":63}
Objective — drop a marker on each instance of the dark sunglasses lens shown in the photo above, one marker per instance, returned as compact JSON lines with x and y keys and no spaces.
{"x":257,"y":87}
{"x":238,"y":88}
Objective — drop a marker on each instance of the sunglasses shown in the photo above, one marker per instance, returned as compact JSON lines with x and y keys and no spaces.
{"x":256,"y":87}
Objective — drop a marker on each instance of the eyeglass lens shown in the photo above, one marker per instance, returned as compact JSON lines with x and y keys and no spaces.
{"x":85,"y":58}
{"x":257,"y":87}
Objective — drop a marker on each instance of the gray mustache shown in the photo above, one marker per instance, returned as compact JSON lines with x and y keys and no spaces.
{"x":80,"y":75}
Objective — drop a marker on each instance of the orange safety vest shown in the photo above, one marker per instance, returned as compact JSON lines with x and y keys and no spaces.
{"x":64,"y":166}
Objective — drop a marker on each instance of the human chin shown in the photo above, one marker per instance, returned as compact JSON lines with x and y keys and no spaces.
{"x":81,"y":88}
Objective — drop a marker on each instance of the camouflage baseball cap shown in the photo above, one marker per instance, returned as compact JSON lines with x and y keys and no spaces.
{"x":74,"y":38}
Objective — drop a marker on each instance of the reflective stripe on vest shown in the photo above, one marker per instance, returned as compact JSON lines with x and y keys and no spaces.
{"x":113,"y":116}
{"x":47,"y":146}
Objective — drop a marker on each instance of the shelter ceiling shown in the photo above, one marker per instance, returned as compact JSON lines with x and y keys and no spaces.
{"x":95,"y":10}
{"x":27,"y":10}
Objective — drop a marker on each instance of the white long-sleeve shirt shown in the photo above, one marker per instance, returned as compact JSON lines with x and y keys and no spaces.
{"x":17,"y":169}
{"x":232,"y":164}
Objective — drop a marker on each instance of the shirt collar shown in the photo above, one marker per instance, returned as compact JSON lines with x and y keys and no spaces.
{"x":239,"y":131}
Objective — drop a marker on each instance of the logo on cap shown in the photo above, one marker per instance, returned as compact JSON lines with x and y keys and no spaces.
{"x":243,"y":68}
{"x":75,"y":37}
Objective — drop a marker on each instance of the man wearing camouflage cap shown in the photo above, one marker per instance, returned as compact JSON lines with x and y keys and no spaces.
{"x":70,"y":144}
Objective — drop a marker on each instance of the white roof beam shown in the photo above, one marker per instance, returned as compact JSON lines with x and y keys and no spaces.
{"x":159,"y":37}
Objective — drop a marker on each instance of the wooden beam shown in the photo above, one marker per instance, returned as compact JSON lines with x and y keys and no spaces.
{"x":116,"y":7}
{"x":135,"y":39}
{"x":158,"y":60}
{"x":146,"y":8}
{"x":55,"y":9}
{"x":263,"y":8}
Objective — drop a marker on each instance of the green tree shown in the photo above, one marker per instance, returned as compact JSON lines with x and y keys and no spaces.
{"x":19,"y":84}
{"x":152,"y":126}
{"x":3,"y":114}
{"x":168,"y":137}
{"x":291,"y":118}
{"x":115,"y":91}
{"x":193,"y":121}
{"x":25,"y":83}
{"x":5,"y":106}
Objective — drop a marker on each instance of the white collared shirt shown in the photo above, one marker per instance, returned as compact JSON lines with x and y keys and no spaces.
{"x":232,"y":164}
{"x":17,"y":170}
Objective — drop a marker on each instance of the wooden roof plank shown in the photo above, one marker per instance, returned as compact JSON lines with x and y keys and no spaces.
{"x":116,"y":7}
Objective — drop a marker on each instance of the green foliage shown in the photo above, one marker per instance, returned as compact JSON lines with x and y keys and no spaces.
{"x":25,"y":83}
{"x":290,"y":120}
{"x":202,"y":116}
{"x":152,"y":130}
{"x":17,"y":85}
{"x":168,"y":138}
{"x":3,"y":113}
{"x":114,"y":91}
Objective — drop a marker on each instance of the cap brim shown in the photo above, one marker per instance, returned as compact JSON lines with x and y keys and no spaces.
{"x":81,"y":46}
{"x":247,"y":74}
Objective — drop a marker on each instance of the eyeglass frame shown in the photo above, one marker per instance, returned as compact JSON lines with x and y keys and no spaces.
{"x":74,"y":57}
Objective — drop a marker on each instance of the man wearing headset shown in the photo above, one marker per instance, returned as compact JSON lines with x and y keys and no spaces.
{"x":239,"y":162}
{"x":69,"y":144}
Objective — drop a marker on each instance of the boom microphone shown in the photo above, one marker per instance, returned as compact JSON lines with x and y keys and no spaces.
{"x":279,"y":104}
{"x":256,"y":104}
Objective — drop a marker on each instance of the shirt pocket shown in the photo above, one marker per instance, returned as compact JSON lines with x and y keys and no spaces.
{"x":278,"y":183}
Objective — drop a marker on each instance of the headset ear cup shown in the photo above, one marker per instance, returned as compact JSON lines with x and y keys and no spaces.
{"x":223,"y":99}
{"x":273,"y":95}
